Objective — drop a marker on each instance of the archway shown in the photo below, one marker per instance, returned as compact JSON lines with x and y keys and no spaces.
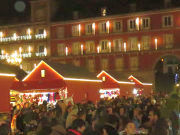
{"x":167,"y":72}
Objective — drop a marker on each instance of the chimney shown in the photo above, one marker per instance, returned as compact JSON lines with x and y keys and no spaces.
{"x":132,"y":7}
{"x":103,"y":11}
{"x":75,"y":15}
{"x":167,"y":3}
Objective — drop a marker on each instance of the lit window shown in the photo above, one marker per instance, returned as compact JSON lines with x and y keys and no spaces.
{"x":118,"y":45}
{"x":89,"y":29}
{"x":90,"y":47}
{"x":117,"y":26}
{"x":146,"y":41}
{"x":168,"y":40}
{"x":167,"y":21}
{"x":41,"y":49}
{"x":61,"y":49}
{"x":131,"y":24}
{"x":103,"y":28}
{"x":133,"y":43}
{"x":42,"y":73}
{"x":76,"y":48}
{"x":103,"y":78}
{"x":104,"y":47}
{"x":145,"y":23}
{"x":76,"y":30}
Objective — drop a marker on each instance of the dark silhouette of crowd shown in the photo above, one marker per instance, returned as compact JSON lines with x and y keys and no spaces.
{"x":120,"y":116}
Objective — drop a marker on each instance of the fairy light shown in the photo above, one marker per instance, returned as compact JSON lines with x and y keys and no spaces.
{"x":94,"y":28}
{"x":139,"y":47}
{"x":137,"y":23}
{"x":125,"y":46}
{"x":82,"y":48}
{"x":156,"y":42}
{"x":107,"y":26}
{"x":66,"y":51}
{"x":109,"y":46}
{"x":98,"y":49}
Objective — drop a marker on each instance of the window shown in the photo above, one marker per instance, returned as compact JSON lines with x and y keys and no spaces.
{"x":60,"y":32}
{"x":146,"y":41}
{"x":90,"y":47}
{"x":118,"y":45}
{"x":146,"y":23}
{"x":134,"y":63}
{"x":91,"y":65}
{"x":41,"y":31}
{"x":168,"y":40}
{"x":119,"y":64}
{"x":131,"y":24}
{"x":103,"y":78}
{"x":42,"y":73}
{"x":76,"y":30}
{"x":61,"y":49}
{"x":41,"y":49}
{"x":104,"y":64}
{"x":104,"y":46}
{"x":118,"y":26}
{"x":103,"y":28}
{"x":89,"y":29}
{"x":133,"y":44}
{"x":76,"y":48}
{"x":167,"y":21}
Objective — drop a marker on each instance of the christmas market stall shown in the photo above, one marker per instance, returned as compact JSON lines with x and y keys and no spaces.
{"x":53,"y":81}
{"x":115,"y":84}
{"x":8,"y":75}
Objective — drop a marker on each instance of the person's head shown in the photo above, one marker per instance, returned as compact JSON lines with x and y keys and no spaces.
{"x":121,"y":111}
{"x":109,"y":110}
{"x":136,"y":112}
{"x":108,"y":130}
{"x":26,"y":105}
{"x":154,"y":115}
{"x":79,"y":125}
{"x":130,"y":128}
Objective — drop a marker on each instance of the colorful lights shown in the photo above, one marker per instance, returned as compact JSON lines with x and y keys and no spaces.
{"x":109,"y":93}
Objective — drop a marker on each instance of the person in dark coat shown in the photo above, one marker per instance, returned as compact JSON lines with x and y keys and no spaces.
{"x":77,"y":127}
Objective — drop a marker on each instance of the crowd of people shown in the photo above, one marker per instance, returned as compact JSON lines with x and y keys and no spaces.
{"x":120,"y":116}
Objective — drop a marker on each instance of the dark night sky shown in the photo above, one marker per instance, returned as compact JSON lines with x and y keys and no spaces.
{"x":86,"y":8}
{"x":7,"y":9}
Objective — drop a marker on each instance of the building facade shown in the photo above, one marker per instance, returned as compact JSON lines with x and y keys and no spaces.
{"x":129,"y":43}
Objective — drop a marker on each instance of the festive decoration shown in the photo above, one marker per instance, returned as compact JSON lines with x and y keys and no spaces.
{"x":109,"y":93}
